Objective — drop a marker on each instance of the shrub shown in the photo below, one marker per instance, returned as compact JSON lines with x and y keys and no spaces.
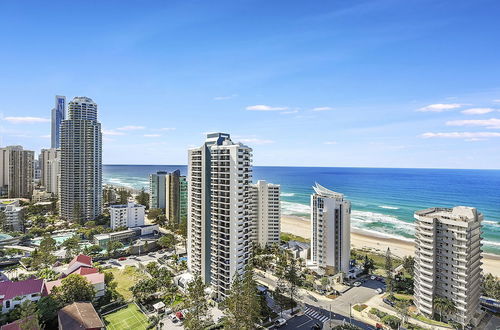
{"x":359,"y":308}
{"x":391,"y":321}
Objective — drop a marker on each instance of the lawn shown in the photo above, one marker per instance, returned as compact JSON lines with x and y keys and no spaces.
{"x":285,"y":237}
{"x":129,"y":318}
{"x":125,"y":279}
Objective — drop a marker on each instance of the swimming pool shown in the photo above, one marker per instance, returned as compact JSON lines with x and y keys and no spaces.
{"x":59,"y":238}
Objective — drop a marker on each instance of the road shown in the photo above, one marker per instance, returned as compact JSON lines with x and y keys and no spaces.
{"x":318,"y":310}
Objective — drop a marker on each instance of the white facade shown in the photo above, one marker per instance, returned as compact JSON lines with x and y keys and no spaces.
{"x":13,"y":215}
{"x":130,"y":215}
{"x":448,"y":261}
{"x":219,"y":211}
{"x":266,"y":213}
{"x":50,"y":163}
{"x":330,"y":230}
{"x":81,"y":162}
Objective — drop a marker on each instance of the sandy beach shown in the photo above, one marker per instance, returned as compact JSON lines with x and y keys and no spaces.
{"x":361,"y":239}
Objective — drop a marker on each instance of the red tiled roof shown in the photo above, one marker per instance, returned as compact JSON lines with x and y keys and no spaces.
{"x":81,"y":258}
{"x":16,"y":325}
{"x":85,"y":270}
{"x":9,"y":289}
{"x":92,"y":278}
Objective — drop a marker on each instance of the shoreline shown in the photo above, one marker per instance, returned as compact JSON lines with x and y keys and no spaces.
{"x":300,"y":226}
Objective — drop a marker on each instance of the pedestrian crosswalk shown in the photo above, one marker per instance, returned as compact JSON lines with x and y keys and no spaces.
{"x":314,"y":314}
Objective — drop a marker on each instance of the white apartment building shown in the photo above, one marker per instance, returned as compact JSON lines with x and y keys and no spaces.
{"x":50,"y":163}
{"x":219,"y":211}
{"x":330,"y":230}
{"x":266,"y":213}
{"x":81,"y":162}
{"x":129,"y":215}
{"x":448,"y":261}
{"x":16,"y":172}
{"x":13,"y":215}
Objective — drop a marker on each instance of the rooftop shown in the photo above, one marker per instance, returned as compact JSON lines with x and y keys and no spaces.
{"x":320,"y":190}
{"x":459,"y":213}
{"x":79,"y":315}
{"x":9,"y":289}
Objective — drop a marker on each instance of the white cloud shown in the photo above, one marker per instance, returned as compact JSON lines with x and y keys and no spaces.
{"x":26,"y":120}
{"x":152,"y":135}
{"x":331,"y":142}
{"x":440,"y":107}
{"x":289,"y":112}
{"x":477,"y":111}
{"x":488,"y":123}
{"x":222,"y":98}
{"x":256,"y":141}
{"x":496,"y":101}
{"x":111,"y":132}
{"x":167,"y":129}
{"x":322,"y":109}
{"x":461,"y":135}
{"x":130,"y":128}
{"x":263,"y":107}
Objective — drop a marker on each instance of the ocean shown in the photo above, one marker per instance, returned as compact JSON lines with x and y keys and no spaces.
{"x":383,"y":199}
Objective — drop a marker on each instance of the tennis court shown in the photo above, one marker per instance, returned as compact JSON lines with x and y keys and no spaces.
{"x":127,"y":318}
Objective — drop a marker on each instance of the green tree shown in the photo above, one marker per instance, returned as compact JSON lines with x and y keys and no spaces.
{"x":402,"y":309}
{"x":143,"y":198}
{"x":243,"y":303}
{"x":93,"y":250}
{"x":157,"y":216}
{"x":123,"y":196}
{"x":368,"y":265}
{"x":389,"y":271}
{"x":491,"y":286}
{"x":48,"y":307}
{"x":443,"y":305}
{"x":72,"y":246}
{"x":293,"y":279}
{"x":409,"y":264}
{"x":44,"y":255}
{"x":114,"y":246}
{"x":47,"y":274}
{"x":78,"y":214}
{"x":196,"y":302}
{"x":73,"y":288}
{"x":3,"y":222}
{"x":168,"y":241}
{"x":143,"y":289}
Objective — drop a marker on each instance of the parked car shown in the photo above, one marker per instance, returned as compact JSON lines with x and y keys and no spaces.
{"x":373,"y":277}
{"x":357,"y":283}
{"x":389,"y":302}
{"x":174,"y":318}
{"x":379,"y":290}
{"x":279,"y":322}
{"x":122,"y":258}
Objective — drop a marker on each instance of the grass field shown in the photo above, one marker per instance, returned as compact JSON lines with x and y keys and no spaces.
{"x":129,"y":318}
{"x":125,"y":279}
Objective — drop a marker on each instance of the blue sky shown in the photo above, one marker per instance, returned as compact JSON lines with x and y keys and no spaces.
{"x":305,"y":83}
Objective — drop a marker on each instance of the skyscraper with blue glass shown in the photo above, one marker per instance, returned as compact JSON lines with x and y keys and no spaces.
{"x":58,"y":115}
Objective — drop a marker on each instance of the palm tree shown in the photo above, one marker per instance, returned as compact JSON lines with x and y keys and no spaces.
{"x":444,"y":305}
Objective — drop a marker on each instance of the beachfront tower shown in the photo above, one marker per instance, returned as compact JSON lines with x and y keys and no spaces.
{"x":58,"y":115}
{"x":448,"y":261}
{"x":330,"y":230}
{"x":266,"y":213}
{"x":168,"y":191}
{"x":219,"y":211}
{"x":81,"y":162}
{"x":157,"y":188}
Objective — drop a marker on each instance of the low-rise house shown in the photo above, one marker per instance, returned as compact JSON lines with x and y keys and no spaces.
{"x":297,"y":249}
{"x":81,"y":265}
{"x":126,"y":236}
{"x":21,"y":324}
{"x":14,"y":293}
{"x":128,"y":215}
{"x":79,"y":315}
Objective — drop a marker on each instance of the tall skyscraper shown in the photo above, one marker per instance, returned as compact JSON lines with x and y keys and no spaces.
{"x":175,"y":185}
{"x":81,"y":162}
{"x":266,"y":213}
{"x":58,"y":115}
{"x":219,"y":210}
{"x":448,"y":261}
{"x":16,"y":172}
{"x":157,"y":189}
{"x":330,"y":230}
{"x":50,"y":163}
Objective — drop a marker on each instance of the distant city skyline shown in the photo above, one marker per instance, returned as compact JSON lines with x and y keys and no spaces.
{"x":362,"y":84}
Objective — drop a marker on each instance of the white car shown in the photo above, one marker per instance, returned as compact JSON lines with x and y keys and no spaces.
{"x":279,"y":322}
{"x":380,"y":291}
{"x":373,"y":277}
{"x":357,"y":283}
